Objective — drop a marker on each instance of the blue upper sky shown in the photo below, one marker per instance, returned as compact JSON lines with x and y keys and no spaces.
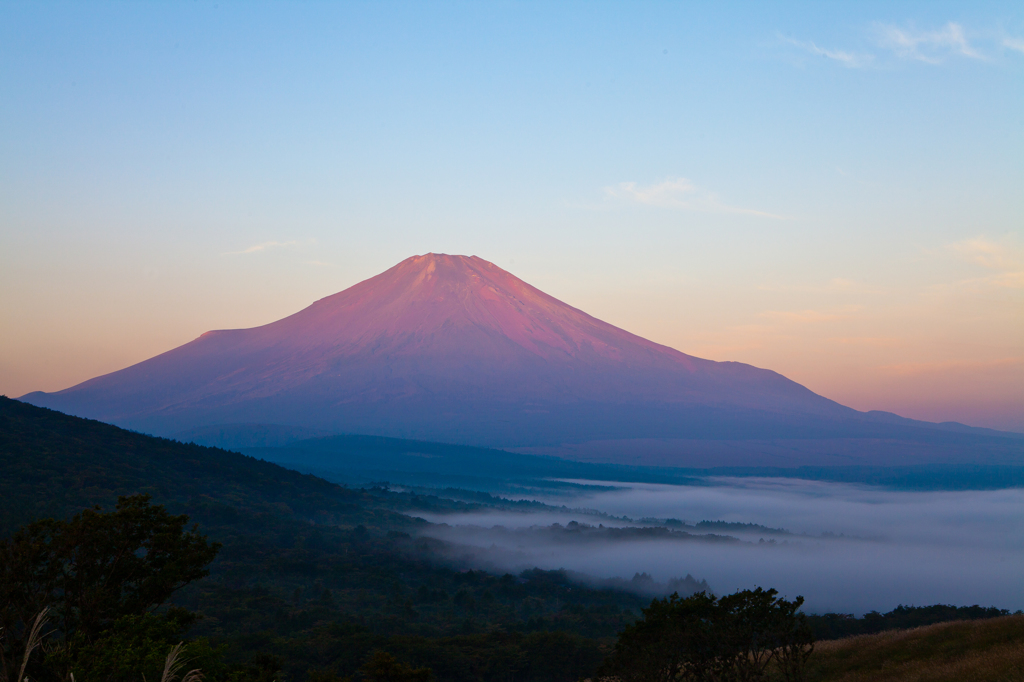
{"x":831,"y":190}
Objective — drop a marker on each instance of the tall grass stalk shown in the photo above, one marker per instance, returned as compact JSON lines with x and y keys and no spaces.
{"x":35,"y":637}
{"x":175,"y":662}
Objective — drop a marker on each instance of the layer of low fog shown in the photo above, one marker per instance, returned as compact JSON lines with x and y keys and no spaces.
{"x":851,"y":548}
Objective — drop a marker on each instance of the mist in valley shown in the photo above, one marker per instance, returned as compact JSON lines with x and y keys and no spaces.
{"x":846,"y":548}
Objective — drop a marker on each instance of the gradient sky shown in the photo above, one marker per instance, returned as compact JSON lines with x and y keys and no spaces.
{"x":833,"y":191}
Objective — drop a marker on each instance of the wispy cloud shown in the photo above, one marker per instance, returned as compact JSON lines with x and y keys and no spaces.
{"x":677,"y":193}
{"x":811,"y":315}
{"x":934,"y":46}
{"x":671,"y":193}
{"x":262,"y":246}
{"x":1005,"y":262}
{"x":917,"y":368}
{"x":1006,"y":280}
{"x":986,"y":253}
{"x":930,"y":47}
{"x":848,"y":59}
{"x":836,"y":285}
{"x":871,"y":341}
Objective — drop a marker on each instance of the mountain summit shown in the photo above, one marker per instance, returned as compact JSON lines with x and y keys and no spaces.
{"x":454,"y":348}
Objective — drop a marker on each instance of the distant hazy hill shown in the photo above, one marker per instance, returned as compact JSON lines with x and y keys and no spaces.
{"x":455,"y":349}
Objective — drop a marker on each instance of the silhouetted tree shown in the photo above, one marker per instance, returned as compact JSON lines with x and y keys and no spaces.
{"x":747,"y":636}
{"x":96,"y":570}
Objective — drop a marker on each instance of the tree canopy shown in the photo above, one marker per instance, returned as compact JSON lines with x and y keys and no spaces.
{"x":94,"y":571}
{"x":748,"y":636}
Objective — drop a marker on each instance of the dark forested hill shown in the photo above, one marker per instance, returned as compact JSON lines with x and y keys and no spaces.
{"x":312,"y":574}
{"x":54,"y":465}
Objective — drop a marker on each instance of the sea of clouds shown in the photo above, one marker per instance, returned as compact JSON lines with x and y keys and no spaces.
{"x":852,"y":548}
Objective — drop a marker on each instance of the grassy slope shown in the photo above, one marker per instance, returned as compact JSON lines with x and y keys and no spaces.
{"x":962,"y":651}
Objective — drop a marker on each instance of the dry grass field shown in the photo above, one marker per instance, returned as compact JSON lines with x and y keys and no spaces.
{"x":961,"y":651}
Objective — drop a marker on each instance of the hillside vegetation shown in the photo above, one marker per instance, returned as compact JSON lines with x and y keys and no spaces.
{"x":989,"y":650}
{"x":312,"y":578}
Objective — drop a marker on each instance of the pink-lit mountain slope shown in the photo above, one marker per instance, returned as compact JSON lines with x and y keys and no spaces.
{"x":454,"y":348}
